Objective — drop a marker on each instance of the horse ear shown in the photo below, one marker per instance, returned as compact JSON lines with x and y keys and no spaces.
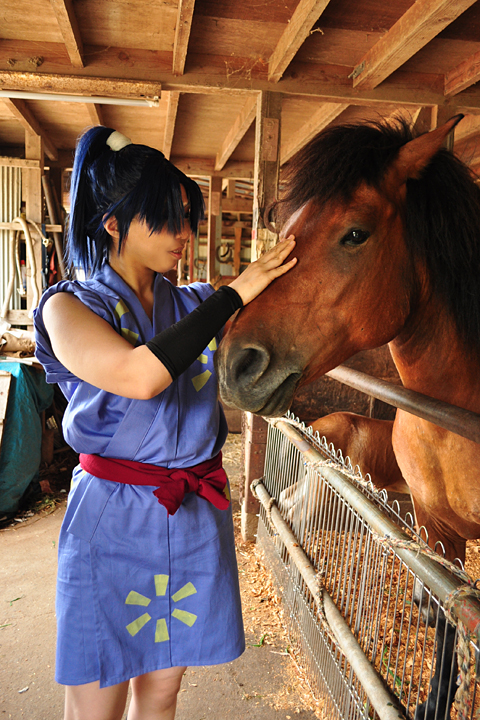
{"x":416,"y":154}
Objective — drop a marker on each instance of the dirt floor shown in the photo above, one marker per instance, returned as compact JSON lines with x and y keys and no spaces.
{"x":266,"y":683}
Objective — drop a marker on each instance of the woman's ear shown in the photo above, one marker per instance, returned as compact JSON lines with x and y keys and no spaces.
{"x":111,"y":226}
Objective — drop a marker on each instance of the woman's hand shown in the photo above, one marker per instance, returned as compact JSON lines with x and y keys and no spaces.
{"x":260,"y":273}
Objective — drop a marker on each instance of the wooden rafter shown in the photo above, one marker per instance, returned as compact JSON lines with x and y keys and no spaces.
{"x":296,"y":32}
{"x":423,"y":21}
{"x":242,"y":122}
{"x":182,"y":35}
{"x":467,"y":73}
{"x":68,"y":25}
{"x":27,"y":119}
{"x":95,"y":113}
{"x":172,"y":108}
{"x":325,"y":114}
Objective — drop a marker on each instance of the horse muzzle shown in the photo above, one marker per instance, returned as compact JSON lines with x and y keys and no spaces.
{"x":250,"y":379}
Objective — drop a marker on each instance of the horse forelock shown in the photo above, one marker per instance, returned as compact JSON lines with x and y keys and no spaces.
{"x":442,"y":211}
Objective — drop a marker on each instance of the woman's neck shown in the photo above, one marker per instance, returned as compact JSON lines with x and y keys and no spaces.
{"x":140,"y":279}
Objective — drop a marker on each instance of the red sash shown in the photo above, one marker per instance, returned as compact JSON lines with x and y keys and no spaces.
{"x":208,"y":479}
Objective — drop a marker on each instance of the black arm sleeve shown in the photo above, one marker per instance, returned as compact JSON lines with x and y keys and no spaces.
{"x":179,"y":346}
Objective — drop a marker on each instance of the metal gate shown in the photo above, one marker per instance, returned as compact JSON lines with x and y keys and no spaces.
{"x":352,"y":574}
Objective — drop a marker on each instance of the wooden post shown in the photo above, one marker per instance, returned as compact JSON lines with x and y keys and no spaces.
{"x":266,"y":169}
{"x":191,"y":255}
{"x":444,"y":113}
{"x":238,"y":228}
{"x":266,"y":174}
{"x":32,"y":179}
{"x":214,"y":236}
{"x":231,"y":189}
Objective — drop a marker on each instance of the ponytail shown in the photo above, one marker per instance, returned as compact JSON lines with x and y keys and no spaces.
{"x":81,"y":251}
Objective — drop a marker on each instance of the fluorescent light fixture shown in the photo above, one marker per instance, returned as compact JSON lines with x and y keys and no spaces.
{"x":20,"y":95}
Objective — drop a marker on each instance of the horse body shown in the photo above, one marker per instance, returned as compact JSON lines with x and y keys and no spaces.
{"x":357,"y":285}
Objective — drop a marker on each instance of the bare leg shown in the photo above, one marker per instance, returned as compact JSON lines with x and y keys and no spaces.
{"x":91,"y":702}
{"x":154,"y":695}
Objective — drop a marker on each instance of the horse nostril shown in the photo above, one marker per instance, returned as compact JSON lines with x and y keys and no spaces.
{"x":250,"y":364}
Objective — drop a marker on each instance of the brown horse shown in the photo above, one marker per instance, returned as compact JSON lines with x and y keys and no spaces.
{"x":387,"y":229}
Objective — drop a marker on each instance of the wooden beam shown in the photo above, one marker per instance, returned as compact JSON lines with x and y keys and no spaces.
{"x":172,"y":108}
{"x":423,"y":21}
{"x":17,"y":226}
{"x":203,"y":167}
{"x":68,"y":25}
{"x":294,"y":35}
{"x":95,"y":113}
{"x":325,"y":114}
{"x":27,"y":119}
{"x":424,"y":120}
{"x":237,"y":205}
{"x":464,"y":75}
{"x":77,"y":85}
{"x":242,"y":123}
{"x":18,"y":162}
{"x":182,"y":35}
{"x":412,"y":89}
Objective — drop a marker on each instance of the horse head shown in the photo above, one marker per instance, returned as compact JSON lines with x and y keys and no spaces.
{"x":353,"y":287}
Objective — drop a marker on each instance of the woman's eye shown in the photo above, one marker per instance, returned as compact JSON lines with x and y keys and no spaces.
{"x":355,"y":237}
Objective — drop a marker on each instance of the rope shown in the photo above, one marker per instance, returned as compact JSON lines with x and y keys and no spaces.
{"x":269,"y":505}
{"x":463,"y":700}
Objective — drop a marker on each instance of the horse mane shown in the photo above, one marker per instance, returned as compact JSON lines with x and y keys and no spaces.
{"x":442,"y":207}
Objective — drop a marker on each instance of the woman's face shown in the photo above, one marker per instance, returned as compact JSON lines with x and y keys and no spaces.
{"x":159,"y":251}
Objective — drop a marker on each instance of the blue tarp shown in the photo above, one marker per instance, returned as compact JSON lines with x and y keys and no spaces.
{"x":22,"y":437}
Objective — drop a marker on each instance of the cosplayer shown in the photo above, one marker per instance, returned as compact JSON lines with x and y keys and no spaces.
{"x":147,"y":578}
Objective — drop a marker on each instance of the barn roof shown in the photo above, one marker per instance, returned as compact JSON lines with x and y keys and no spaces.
{"x":196,"y":67}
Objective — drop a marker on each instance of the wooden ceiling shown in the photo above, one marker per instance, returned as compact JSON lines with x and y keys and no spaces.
{"x":202,"y":63}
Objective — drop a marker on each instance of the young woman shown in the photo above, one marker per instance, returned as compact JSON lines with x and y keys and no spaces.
{"x":147,"y":579}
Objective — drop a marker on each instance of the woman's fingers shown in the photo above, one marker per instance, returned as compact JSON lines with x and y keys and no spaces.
{"x":279,"y":252}
{"x":263,"y":271}
{"x":282,"y":269}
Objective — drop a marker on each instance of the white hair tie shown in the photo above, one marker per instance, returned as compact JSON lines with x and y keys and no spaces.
{"x":116,"y":141}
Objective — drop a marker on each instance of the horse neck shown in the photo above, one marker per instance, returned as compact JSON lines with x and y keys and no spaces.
{"x":432,"y":359}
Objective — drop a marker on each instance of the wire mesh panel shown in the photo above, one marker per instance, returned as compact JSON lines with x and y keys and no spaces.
{"x":379,"y":574}
{"x":10,"y":201}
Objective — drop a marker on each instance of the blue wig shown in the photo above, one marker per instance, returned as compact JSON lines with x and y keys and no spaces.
{"x":136,"y":181}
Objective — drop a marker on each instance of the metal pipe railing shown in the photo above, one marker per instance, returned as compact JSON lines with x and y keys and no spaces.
{"x":433,"y":575}
{"x":383,"y":701}
{"x":450,"y":417}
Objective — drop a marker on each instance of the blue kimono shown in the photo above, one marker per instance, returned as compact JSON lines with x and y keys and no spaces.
{"x":138,"y":590}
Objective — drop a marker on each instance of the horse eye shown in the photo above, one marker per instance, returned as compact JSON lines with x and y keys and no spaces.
{"x":355,"y":237}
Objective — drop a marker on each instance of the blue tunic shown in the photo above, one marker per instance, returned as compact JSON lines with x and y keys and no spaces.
{"x":138,"y":590}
